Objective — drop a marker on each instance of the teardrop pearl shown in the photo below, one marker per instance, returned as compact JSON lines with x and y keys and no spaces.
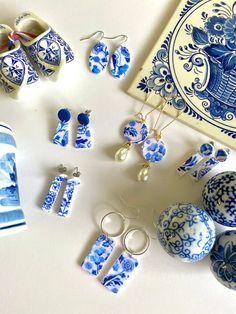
{"x":121,"y":154}
{"x":143,"y":174}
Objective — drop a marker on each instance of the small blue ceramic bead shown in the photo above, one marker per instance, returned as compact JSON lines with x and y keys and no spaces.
{"x":223,"y":259}
{"x":206,"y":149}
{"x":186,"y":232}
{"x":83,"y":119}
{"x":219,"y":198}
{"x":64,"y":115}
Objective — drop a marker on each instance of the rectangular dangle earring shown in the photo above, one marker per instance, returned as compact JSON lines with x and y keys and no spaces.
{"x":61,"y":136}
{"x":104,"y":245}
{"x":65,"y":207}
{"x":84,"y":138}
{"x":126,"y":263}
{"x":54,"y":190}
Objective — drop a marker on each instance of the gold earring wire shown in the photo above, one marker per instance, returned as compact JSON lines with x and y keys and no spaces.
{"x":140,"y":113}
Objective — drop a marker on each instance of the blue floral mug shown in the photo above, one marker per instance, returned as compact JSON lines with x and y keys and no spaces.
{"x":12,"y":218}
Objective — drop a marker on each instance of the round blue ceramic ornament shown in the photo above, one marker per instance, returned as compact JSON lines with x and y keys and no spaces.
{"x":136,"y":131}
{"x":186,"y":232}
{"x":64,"y":115}
{"x":153,"y":150}
{"x":223,"y":259}
{"x":219,"y":198}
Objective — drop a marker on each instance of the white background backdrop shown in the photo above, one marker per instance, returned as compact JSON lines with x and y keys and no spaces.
{"x":40,"y":268}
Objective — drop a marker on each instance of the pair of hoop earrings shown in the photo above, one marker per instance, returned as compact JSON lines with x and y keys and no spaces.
{"x":206,"y":158}
{"x":99,"y":56}
{"x":84,"y":133}
{"x":153,"y":148}
{"x":72,"y":182}
{"x":102,"y":249}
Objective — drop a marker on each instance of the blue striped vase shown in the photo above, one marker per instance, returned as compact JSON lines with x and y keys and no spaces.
{"x":12,"y":218}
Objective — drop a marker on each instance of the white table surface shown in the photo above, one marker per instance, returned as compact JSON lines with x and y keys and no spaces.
{"x":40,"y":268}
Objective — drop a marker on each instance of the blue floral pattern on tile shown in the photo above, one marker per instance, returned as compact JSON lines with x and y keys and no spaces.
{"x":153,"y":150}
{"x":120,"y":62}
{"x":204,"y":168}
{"x":65,"y":207}
{"x":84,"y":137}
{"x":98,"y":255}
{"x":53,"y":193}
{"x":136,"y":131}
{"x":186,"y":231}
{"x":120,"y":272}
{"x":98,"y":58}
{"x":61,"y":136}
{"x":223,"y":259}
{"x":219,"y":198}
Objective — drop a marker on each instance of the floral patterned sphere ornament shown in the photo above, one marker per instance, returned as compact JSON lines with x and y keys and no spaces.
{"x":186,"y":232}
{"x":223,"y":259}
{"x":219,"y":198}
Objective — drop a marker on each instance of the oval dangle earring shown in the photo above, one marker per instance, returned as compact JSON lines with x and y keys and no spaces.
{"x":99,"y":55}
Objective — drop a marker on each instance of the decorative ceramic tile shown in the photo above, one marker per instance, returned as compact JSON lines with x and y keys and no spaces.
{"x":153,"y":150}
{"x":61,"y":136}
{"x":120,"y":62}
{"x":98,"y":58}
{"x":193,"y":63}
{"x":53,"y":193}
{"x":136,"y":132}
{"x":84,"y":137}
{"x":120,"y":272}
{"x":98,"y":255}
{"x":65,"y":207}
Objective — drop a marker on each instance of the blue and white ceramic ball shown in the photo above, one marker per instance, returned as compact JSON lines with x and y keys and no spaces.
{"x":186,"y":232}
{"x":219,"y":198}
{"x":223,"y":259}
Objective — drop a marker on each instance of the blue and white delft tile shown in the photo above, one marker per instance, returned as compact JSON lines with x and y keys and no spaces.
{"x":65,"y":207}
{"x":204,"y":169}
{"x":61,"y":136}
{"x":120,"y":62}
{"x":98,"y":255}
{"x":120,"y":272}
{"x":223,"y":259}
{"x":136,"y":131}
{"x":153,"y":150}
{"x":98,"y":58}
{"x":206,"y":150}
{"x":186,"y":232}
{"x":53,"y":193}
{"x":12,"y":218}
{"x":48,"y":50}
{"x":84,"y":137}
{"x":219,"y":198}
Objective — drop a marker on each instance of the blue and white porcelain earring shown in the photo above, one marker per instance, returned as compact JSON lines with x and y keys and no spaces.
{"x":99,"y":55}
{"x":65,"y":207}
{"x":54,"y":190}
{"x":61,"y":136}
{"x":104,"y":244}
{"x":127,"y":262}
{"x":120,"y":59}
{"x":84,"y":133}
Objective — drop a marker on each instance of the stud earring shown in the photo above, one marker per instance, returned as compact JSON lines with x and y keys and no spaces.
{"x":120,"y":59}
{"x":61,"y":136}
{"x":126,"y":263}
{"x":99,"y":55}
{"x":84,"y":133}
{"x":221,"y":155}
{"x":104,"y":245}
{"x":65,"y":207}
{"x":205,"y":150}
{"x":54,"y":190}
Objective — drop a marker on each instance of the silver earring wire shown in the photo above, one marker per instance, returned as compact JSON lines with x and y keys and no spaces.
{"x":127,"y":206}
{"x":62,"y":169}
{"x":76,"y":172}
{"x":125,"y":38}
{"x":121,"y":216}
{"x":94,"y":34}
{"x":146,"y":247}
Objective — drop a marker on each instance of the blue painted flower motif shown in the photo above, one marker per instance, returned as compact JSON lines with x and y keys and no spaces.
{"x":153,"y":150}
{"x":98,"y":58}
{"x":135,"y":131}
{"x":229,"y":30}
{"x":84,"y":137}
{"x":215,"y":25}
{"x":119,"y":272}
{"x":98,"y":255}
{"x":61,"y":136}
{"x":120,"y":61}
{"x":65,"y":207}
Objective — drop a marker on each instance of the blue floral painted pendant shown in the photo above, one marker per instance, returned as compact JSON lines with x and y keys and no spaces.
{"x":65,"y":207}
{"x":84,"y":133}
{"x":120,"y":272}
{"x":153,"y":150}
{"x":120,"y":62}
{"x":98,"y":58}
{"x":136,"y":131}
{"x":98,"y":255}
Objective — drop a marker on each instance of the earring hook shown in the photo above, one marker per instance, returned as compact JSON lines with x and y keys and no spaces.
{"x":76,"y":172}
{"x":125,"y":38}
{"x":147,"y":238}
{"x":131,"y":207}
{"x":122,"y":218}
{"x":94,"y":34}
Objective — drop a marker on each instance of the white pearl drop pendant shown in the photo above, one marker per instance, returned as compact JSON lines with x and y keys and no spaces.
{"x":143,"y":174}
{"x":122,"y":152}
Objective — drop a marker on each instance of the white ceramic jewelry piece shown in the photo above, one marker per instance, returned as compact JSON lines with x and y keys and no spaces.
{"x":219,"y":198}
{"x":120,"y":62}
{"x":84,"y":138}
{"x":206,"y":150}
{"x":61,"y":136}
{"x":98,"y":58}
{"x":136,"y":131}
{"x":186,"y":232}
